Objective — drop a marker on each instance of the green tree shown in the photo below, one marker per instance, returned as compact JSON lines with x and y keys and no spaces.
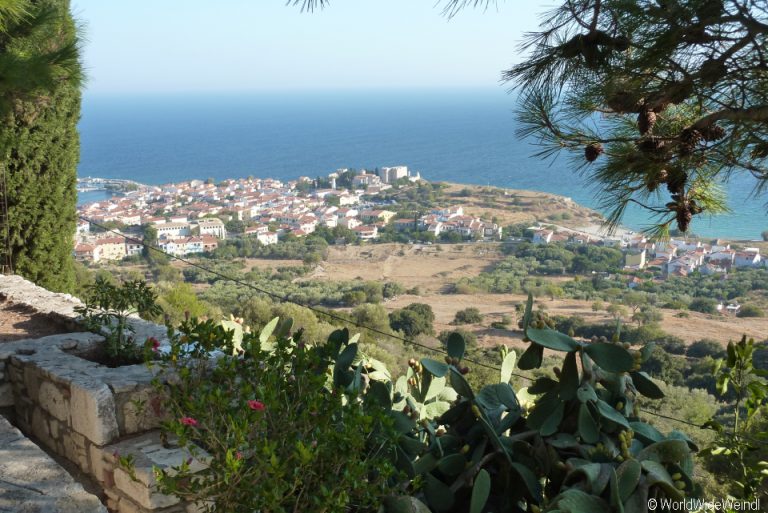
{"x":179,"y":300}
{"x":703,"y":305}
{"x":40,"y":79}
{"x":683,"y":100}
{"x":414,"y":319}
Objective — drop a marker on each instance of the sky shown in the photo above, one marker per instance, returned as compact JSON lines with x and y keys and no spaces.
{"x":173,"y":46}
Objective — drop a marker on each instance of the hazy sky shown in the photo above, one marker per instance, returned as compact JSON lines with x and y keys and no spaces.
{"x":257,"y":45}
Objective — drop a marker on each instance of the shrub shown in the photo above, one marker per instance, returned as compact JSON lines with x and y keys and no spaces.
{"x":392,"y":289}
{"x":750,"y":311}
{"x":469,"y":315}
{"x":706,"y":347}
{"x":703,"y":305}
{"x":414,"y":319}
{"x":673,"y":345}
{"x":106,"y":311}
{"x":275,"y":437}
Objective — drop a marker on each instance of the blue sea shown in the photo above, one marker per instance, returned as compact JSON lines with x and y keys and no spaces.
{"x":459,"y":136}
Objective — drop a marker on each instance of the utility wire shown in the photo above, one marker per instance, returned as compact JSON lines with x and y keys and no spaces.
{"x":335,"y":316}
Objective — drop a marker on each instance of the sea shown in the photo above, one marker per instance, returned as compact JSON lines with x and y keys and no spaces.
{"x":465,"y":136}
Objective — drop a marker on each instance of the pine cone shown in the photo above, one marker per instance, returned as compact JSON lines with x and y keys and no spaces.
{"x":592,"y":151}
{"x":713,"y":132}
{"x":622,"y":102}
{"x":684,"y":217}
{"x":645,"y":121}
{"x":650,"y":144}
{"x":689,"y":139}
{"x":676,"y":182}
{"x":654,"y":179}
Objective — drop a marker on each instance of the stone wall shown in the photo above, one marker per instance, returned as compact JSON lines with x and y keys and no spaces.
{"x":33,"y":483}
{"x":87,"y":412}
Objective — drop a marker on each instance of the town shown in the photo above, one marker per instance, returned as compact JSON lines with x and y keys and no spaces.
{"x":193,"y":217}
{"x":672,"y":258}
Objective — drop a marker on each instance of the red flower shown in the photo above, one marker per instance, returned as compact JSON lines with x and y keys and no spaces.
{"x":256,"y":405}
{"x":238,"y":455}
{"x":155,"y":343}
{"x":188,"y":421}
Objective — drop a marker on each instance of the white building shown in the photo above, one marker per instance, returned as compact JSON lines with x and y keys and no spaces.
{"x":212,"y":226}
{"x":173,"y":230}
{"x":392,"y":174}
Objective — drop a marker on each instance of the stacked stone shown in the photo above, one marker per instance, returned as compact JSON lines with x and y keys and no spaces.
{"x":87,"y":412}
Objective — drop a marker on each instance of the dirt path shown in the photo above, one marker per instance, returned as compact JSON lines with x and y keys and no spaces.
{"x":18,"y":322}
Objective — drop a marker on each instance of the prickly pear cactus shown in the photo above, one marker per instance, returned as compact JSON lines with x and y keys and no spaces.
{"x":575,"y":444}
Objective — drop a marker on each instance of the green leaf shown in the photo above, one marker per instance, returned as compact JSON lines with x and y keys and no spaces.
{"x":646,"y":433}
{"x":645,"y":385}
{"x":569,"y":378}
{"x":586,"y":393}
{"x":346,"y":357}
{"x":666,"y":451}
{"x":552,"y":423}
{"x":452,"y":464}
{"x":543,"y":385}
{"x":439,"y":496}
{"x":616,"y":501}
{"x":437,"y":369}
{"x":610,"y":357}
{"x":529,"y":479}
{"x":543,"y":409}
{"x":576,"y":501}
{"x":404,"y":504}
{"x":284,"y":328}
{"x":563,"y":441}
{"x":498,"y":398}
{"x":425,"y":464}
{"x":266,"y":332}
{"x":460,"y":384}
{"x":646,"y":351}
{"x":436,"y":387}
{"x":378,"y":393}
{"x":609,"y":412}
{"x":588,"y":428}
{"x":403,"y":423}
{"x":656,"y":474}
{"x":480,"y":492}
{"x":508,"y":366}
{"x":455,"y":345}
{"x":628,"y":475}
{"x":532,"y":357}
{"x":552,"y":339}
{"x":434,"y":409}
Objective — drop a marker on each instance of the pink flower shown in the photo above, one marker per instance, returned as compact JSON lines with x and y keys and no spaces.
{"x":188,"y":421}
{"x":155,"y":343}
{"x":238,"y":455}
{"x":256,"y":405}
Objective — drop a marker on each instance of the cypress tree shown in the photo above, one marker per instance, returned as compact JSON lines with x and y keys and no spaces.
{"x":40,"y":80}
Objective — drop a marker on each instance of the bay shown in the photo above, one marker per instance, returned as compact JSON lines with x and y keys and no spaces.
{"x":465,"y":136}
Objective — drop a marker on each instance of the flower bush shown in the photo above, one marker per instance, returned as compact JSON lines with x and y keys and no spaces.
{"x":259,"y":411}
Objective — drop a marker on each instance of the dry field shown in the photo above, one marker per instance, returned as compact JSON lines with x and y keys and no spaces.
{"x":511,"y":206}
{"x":433,"y":268}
